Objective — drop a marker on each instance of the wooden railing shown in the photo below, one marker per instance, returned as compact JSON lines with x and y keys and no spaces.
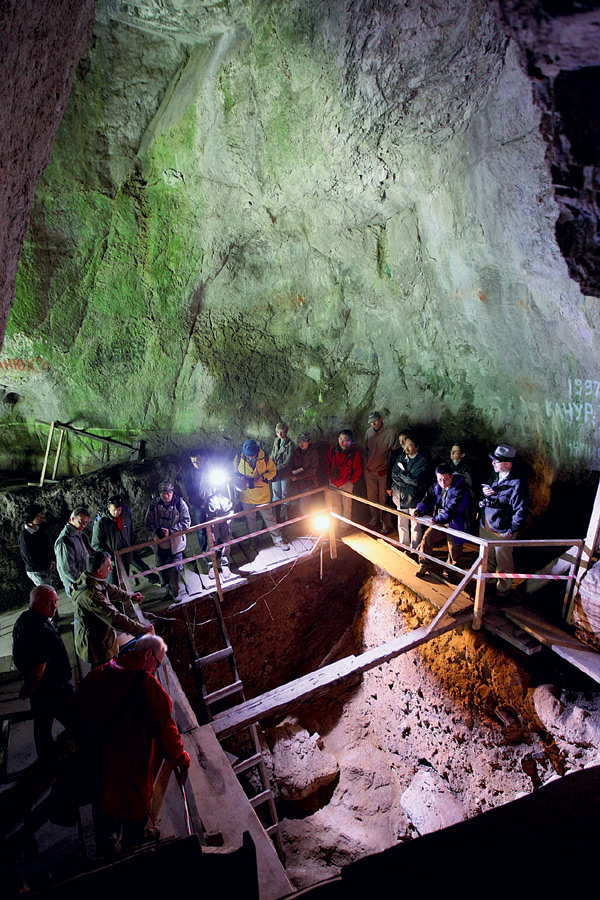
{"x":477,"y":572}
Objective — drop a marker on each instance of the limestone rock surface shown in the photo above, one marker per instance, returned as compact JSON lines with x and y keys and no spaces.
{"x":429,"y":804}
{"x":573,"y":719}
{"x":300,"y":763}
{"x":40,"y":46}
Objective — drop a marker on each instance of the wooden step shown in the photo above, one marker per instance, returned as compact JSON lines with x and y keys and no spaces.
{"x":226,"y":691}
{"x":261,"y":798}
{"x":397,"y":564}
{"x":248,"y":763}
{"x":496,"y":622}
{"x":210,"y":658}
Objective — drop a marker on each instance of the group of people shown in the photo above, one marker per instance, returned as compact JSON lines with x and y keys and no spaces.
{"x":120,"y":718}
{"x":396,"y":467}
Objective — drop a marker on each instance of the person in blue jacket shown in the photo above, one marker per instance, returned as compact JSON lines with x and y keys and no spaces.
{"x":446,"y":503}
{"x":504,"y":509}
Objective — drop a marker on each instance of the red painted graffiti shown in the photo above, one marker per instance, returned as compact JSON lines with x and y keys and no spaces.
{"x":33,"y":364}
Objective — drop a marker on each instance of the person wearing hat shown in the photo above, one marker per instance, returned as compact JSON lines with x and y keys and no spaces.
{"x":380,"y":440}
{"x":254,"y":471}
{"x":304,"y":465}
{"x":504,"y":509}
{"x":167,"y":516}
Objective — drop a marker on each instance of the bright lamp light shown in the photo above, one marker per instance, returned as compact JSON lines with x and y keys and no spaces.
{"x":321,"y":523}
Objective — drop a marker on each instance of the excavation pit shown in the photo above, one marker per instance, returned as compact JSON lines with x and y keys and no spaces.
{"x":437,"y":735}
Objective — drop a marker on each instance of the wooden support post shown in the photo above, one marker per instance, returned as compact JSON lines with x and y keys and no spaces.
{"x":124,"y":582}
{"x":587,"y":551}
{"x":332,"y":539}
{"x":58,"y":452}
{"x":215,"y":562}
{"x":480,"y":589}
{"x":48,"y":444}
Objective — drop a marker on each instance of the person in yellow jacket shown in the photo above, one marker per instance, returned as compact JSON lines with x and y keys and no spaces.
{"x":255,"y":470}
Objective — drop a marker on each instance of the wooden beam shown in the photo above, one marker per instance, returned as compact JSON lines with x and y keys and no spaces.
{"x":81,"y":432}
{"x":47,"y":454}
{"x":319,"y":682}
{"x":561,"y":643}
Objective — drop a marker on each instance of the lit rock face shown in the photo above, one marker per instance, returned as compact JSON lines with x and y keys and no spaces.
{"x":303,"y":211}
{"x":40,"y":46}
{"x":299,"y":761}
{"x":561,"y":49}
{"x":429,"y":804}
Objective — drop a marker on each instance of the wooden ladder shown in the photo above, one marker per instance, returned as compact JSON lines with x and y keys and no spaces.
{"x":234,"y":690}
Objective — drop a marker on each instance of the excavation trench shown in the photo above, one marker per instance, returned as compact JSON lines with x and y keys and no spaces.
{"x":438,"y":735}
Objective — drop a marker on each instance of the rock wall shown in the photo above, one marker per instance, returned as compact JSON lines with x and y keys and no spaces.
{"x":258,"y":211}
{"x":40,"y":46}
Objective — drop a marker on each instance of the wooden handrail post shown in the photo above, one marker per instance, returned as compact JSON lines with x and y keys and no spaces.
{"x":47,"y":454}
{"x":480,"y":589}
{"x":215,"y":562}
{"x":332,"y":540}
{"x":124,"y":582}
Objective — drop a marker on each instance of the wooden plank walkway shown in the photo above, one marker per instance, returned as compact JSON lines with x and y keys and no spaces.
{"x":435,"y":589}
{"x":318,"y":682}
{"x":565,"y":646}
{"x":268,"y":558}
{"x":399,"y":566}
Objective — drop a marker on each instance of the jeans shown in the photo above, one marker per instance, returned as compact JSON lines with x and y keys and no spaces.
{"x":376,"y":492}
{"x":342,"y":505}
{"x":40,"y":577}
{"x":500,"y":559}
{"x":268,"y":517}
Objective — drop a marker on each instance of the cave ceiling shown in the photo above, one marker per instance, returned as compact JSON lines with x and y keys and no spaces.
{"x":258,"y":210}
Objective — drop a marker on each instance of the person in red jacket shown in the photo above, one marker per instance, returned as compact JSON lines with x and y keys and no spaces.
{"x":344,"y":468}
{"x":124,"y":728}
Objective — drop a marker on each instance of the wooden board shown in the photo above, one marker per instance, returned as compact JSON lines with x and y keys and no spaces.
{"x":496,"y":623}
{"x":318,"y":682}
{"x":565,"y":646}
{"x":399,"y":566}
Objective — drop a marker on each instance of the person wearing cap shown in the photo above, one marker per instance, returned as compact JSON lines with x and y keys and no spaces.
{"x":35,"y":547}
{"x":280,"y":454}
{"x":166,"y":517}
{"x":254,"y":471}
{"x":504,"y":509}
{"x":304,"y":465}
{"x":380,"y":440}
